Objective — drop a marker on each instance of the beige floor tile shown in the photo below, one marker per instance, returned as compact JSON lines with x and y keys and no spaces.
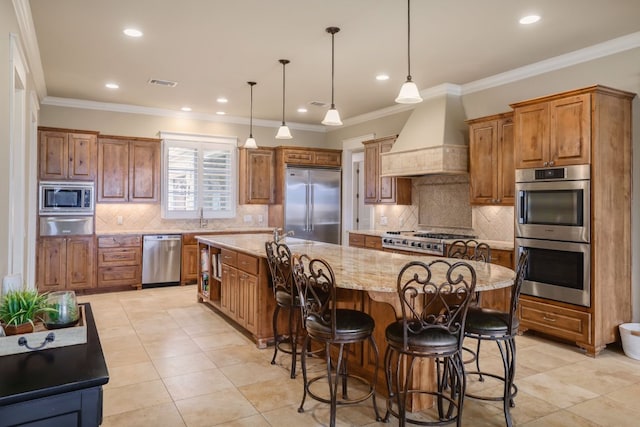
{"x":234,"y":355}
{"x":135,"y":396}
{"x":549,"y":389}
{"x":562,"y":418}
{"x":122,"y":332}
{"x":281,"y":392}
{"x":608,"y":412}
{"x":253,"y":421}
{"x":218,"y":340}
{"x":170,"y":347}
{"x":132,"y":354}
{"x":627,"y":396}
{"x":163,"y":415}
{"x":251,"y":373}
{"x":131,"y":374}
{"x":215,"y":408}
{"x":197,"y":383}
{"x":179,"y":365}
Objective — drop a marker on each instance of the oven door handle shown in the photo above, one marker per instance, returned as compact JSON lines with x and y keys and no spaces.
{"x":521,"y":211}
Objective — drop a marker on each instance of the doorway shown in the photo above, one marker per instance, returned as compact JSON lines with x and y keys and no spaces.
{"x":355,"y":214}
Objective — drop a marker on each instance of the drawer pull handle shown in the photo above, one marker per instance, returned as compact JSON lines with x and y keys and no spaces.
{"x":548,"y":319}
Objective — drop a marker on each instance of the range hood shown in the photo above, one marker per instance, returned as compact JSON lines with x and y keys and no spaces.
{"x":433,"y":140}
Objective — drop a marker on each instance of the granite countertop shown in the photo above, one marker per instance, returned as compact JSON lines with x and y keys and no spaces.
{"x":494,"y":244}
{"x":357,"y":268}
{"x":186,"y":231}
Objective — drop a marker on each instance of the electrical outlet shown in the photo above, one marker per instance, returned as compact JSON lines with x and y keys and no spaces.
{"x":383,"y":220}
{"x":119,"y":219}
{"x":248,"y":218}
{"x":401,"y":221}
{"x":260,"y":219}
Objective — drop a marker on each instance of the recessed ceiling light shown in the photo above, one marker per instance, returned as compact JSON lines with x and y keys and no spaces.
{"x":302,"y":110}
{"x":112,"y":86}
{"x":132,"y":32}
{"x":220,"y":113}
{"x":529,"y":19}
{"x":382,"y":77}
{"x":186,"y":108}
{"x":222,"y":100}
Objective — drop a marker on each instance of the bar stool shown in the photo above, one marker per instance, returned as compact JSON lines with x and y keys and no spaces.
{"x":285,"y":294}
{"x":471,"y":250}
{"x":432,"y":326}
{"x":332,"y":326}
{"x":492,"y":325}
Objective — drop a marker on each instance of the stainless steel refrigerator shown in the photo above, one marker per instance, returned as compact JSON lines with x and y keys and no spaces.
{"x":312,"y":204}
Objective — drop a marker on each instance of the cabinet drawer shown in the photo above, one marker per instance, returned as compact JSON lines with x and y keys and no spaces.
{"x":328,"y":159}
{"x":502,"y":257}
{"x":298,"y":157}
{"x":554,"y":320}
{"x":248,"y":263}
{"x":189,"y":239}
{"x":118,"y":241}
{"x":356,"y":240}
{"x":118,"y":257}
{"x":372,"y":242}
{"x":119,"y":276}
{"x":229,"y":257}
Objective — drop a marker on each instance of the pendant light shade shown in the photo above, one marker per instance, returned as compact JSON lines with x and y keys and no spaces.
{"x":250,"y":142}
{"x":409,"y":93}
{"x":283,"y":131}
{"x":332,"y":118}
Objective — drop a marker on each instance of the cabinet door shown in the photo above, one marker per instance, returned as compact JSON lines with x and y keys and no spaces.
{"x":506,"y":169}
{"x":54,"y":155}
{"x":371,"y":165}
{"x":249,"y":288}
{"x":83,"y":156}
{"x":190,"y":264}
{"x":483,"y":161}
{"x":225,"y":288}
{"x":387,"y":184}
{"x":113,"y":170}
{"x":532,"y":134}
{"x":233,"y":291}
{"x":52,"y":262}
{"x":570,"y":131}
{"x":144,"y":171}
{"x":80,"y":262}
{"x":257,"y":178}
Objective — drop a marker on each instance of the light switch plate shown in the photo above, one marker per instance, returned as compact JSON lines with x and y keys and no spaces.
{"x":248,"y":218}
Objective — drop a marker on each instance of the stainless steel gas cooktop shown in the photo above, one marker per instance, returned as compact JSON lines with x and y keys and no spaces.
{"x":426,"y":242}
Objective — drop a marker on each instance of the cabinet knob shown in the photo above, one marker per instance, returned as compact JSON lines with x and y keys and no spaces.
{"x":551,"y":163}
{"x":545,"y":164}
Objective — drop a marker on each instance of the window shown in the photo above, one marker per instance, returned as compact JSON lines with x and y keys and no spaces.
{"x":199,"y":176}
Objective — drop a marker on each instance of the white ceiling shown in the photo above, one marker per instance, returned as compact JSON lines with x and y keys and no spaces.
{"x":213,"y":47}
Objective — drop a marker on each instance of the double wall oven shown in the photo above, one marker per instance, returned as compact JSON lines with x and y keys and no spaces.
{"x":553,"y":221}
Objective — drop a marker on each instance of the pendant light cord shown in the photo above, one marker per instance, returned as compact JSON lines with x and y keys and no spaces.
{"x":408,"y":40}
{"x":284,"y":62}
{"x":333,"y":105}
{"x":251,"y":111}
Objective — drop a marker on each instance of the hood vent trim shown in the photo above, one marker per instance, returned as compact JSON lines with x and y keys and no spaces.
{"x":433,"y":141}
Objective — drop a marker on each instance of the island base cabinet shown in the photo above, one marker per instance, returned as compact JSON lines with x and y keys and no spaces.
{"x":82,"y":408}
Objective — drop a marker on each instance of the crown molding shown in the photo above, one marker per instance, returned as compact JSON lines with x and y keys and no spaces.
{"x":29,"y":41}
{"x":600,"y":50}
{"x":162,"y":112}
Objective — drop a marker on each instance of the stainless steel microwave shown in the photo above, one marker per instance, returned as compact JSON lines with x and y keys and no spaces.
{"x":554,"y":203}
{"x":66,"y":198}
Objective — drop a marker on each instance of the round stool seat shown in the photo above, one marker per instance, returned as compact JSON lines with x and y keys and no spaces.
{"x":349,"y":325}
{"x":433,"y":340}
{"x":285,"y":299}
{"x":481,"y":321}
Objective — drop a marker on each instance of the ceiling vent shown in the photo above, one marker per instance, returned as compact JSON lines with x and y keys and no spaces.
{"x":318,"y":104}
{"x":166,"y":83}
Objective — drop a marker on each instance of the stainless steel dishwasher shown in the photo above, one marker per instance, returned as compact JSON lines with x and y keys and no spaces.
{"x":161,"y":256}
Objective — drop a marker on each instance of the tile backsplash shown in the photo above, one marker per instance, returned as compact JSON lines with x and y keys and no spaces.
{"x":141,"y":217}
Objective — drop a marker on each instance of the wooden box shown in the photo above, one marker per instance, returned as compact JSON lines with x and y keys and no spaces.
{"x":42,"y":338}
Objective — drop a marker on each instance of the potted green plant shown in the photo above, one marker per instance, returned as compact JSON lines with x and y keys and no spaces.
{"x":19,"y":310}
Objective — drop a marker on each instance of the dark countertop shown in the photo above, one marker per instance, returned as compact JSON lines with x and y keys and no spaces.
{"x":44,"y":373}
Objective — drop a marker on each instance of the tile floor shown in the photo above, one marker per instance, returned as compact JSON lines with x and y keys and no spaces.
{"x":174,"y":362}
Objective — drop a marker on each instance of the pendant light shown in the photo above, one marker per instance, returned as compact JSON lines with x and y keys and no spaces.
{"x":250,"y":142}
{"x":409,"y":93}
{"x":332,"y":118}
{"x":283,"y":131}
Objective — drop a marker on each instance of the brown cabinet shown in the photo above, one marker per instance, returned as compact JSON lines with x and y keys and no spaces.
{"x":190,"y":260}
{"x":66,"y":154}
{"x":365,"y":241}
{"x":491,"y":157}
{"x":65,"y":263}
{"x":119,"y":261}
{"x":257,"y":176}
{"x":128,"y":170}
{"x":312,"y":156}
{"x":586,"y":126}
{"x":378,"y":189}
{"x":553,"y":132}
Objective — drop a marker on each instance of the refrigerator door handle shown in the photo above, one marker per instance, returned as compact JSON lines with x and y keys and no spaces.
{"x":306,"y":211}
{"x":311,"y":206}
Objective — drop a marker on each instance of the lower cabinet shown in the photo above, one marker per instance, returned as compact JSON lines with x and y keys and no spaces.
{"x":65,"y":263}
{"x":556,"y":320}
{"x":119,"y":261}
{"x":241,"y":291}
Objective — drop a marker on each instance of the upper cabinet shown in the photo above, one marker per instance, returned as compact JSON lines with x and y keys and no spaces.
{"x":312,"y":156}
{"x":128,"y":170}
{"x":383,"y":190}
{"x":491,"y":165}
{"x":257,"y":176}
{"x":66,"y":154}
{"x":553,"y":131}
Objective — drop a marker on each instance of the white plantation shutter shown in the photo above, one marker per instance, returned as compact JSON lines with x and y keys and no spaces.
{"x":200,"y":176}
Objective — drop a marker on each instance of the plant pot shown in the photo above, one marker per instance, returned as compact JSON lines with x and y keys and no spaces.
{"x":23,"y":328}
{"x":61,"y":310}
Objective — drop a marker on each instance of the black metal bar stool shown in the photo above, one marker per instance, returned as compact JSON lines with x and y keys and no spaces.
{"x":434,"y":298}
{"x":492,"y":325}
{"x":286,"y":296}
{"x":326,"y":324}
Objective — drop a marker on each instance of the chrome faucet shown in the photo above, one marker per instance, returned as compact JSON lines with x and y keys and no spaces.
{"x":279,"y":234}
{"x":203,"y":222}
